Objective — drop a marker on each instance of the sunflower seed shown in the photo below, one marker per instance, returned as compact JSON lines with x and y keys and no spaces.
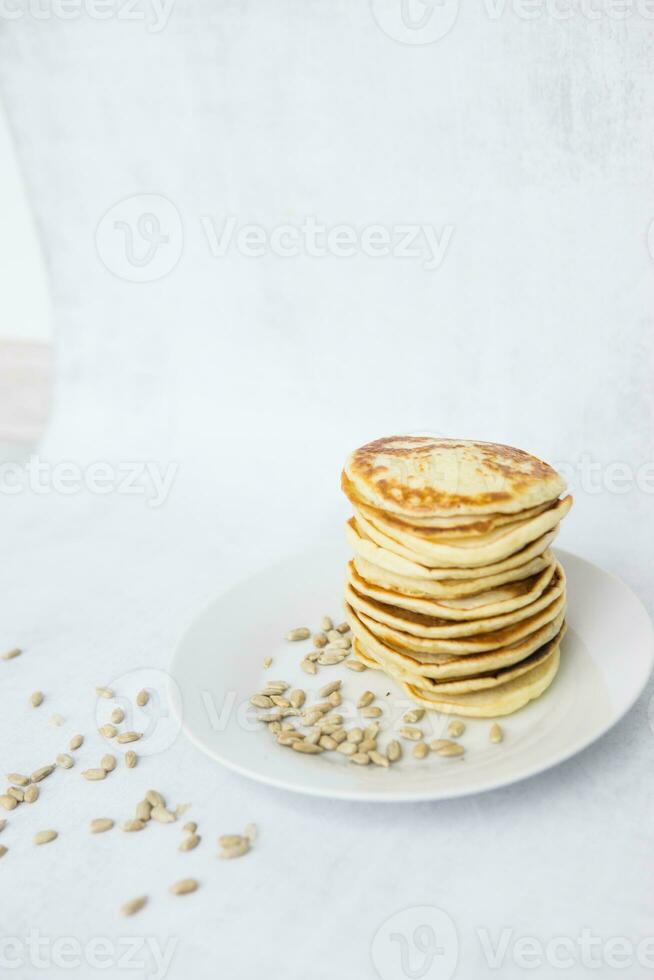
{"x":56,"y":720}
{"x":347,"y":748}
{"x":420,"y":750}
{"x":280,"y":701}
{"x":361,"y":758}
{"x":287,"y":738}
{"x":108,"y":731}
{"x":326,"y":624}
{"x":275,"y":727}
{"x":335,"y":699}
{"x":330,"y":688}
{"x":339,"y":645}
{"x":116,"y":716}
{"x":17,"y":793}
{"x":307,"y":747}
{"x":3,"y":850}
{"x":8,"y":802}
{"x":319,"y":640}
{"x":143,"y":810}
{"x":190,"y":827}
{"x":184,"y":887}
{"x":308,"y":667}
{"x":65,"y":761}
{"x":340,"y":735}
{"x":366,"y":698}
{"x":342,"y":628}
{"x":331,"y":658}
{"x":36,"y":699}
{"x":189,"y":843}
{"x":31,"y":794}
{"x":267,"y":662}
{"x":355,"y":665}
{"x":452,"y":749}
{"x":261,"y":701}
{"x":155,"y":798}
{"x":379,"y":758}
{"x":314,"y":736}
{"x":355,"y":735}
{"x":328,"y":743}
{"x":313,"y":656}
{"x":132,"y":825}
{"x":162,"y":815}
{"x":129,"y":737}
{"x":416,"y":714}
{"x":311,"y":716}
{"x":297,"y":697}
{"x":496,"y":734}
{"x":394,"y":751}
{"x":18,"y":779}
{"x":251,"y":832}
{"x":75,"y":742}
{"x":94,"y":774}
{"x":372,"y":731}
{"x":276,"y":687}
{"x":438,"y":743}
{"x":131,"y":759}
{"x":300,"y":633}
{"x":332,"y":634}
{"x":371,"y":712}
{"x":142,"y":698}
{"x":235,"y":850}
{"x":104,"y":692}
{"x":100,"y":824}
{"x":11,"y":654}
{"x":134,"y":905}
{"x":3,"y":824}
{"x":456,"y":728}
{"x":414,"y":734}
{"x":41,"y":773}
{"x":45,"y":836}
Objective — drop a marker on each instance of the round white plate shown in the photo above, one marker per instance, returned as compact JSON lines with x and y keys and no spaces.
{"x":606,"y":661}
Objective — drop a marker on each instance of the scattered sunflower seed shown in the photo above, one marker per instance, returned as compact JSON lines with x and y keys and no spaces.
{"x":116,"y":716}
{"x":100,"y":825}
{"x":371,"y":712}
{"x":134,"y":905}
{"x":372,"y":731}
{"x":366,"y":698}
{"x":183,"y":887}
{"x":308,"y":667}
{"x":340,"y":735}
{"x":41,"y":773}
{"x":331,"y":658}
{"x":132,"y":825}
{"x":347,"y":748}
{"x":128,"y":737}
{"x":297,"y":697}
{"x":414,"y":715}
{"x":18,"y":779}
{"x":108,"y":731}
{"x":162,"y":815}
{"x":456,"y":728}
{"x":251,"y":832}
{"x":313,"y":656}
{"x":3,"y":850}
{"x":45,"y":836}
{"x":326,"y":624}
{"x":330,"y":688}
{"x":108,"y":762}
{"x":94,"y":774}
{"x":414,"y":734}
{"x":143,"y":810}
{"x":8,"y":802}
{"x":31,"y":794}
{"x":300,"y":633}
{"x":281,"y":702}
{"x":394,"y":751}
{"x":420,"y":750}
{"x":438,"y":743}
{"x":142,"y":698}
{"x":56,"y":720}
{"x":190,"y":843}
{"x":75,"y":742}
{"x":36,"y":699}
{"x":335,"y":699}
{"x":181,"y":809}
{"x":17,"y":793}
{"x":65,"y":761}
{"x":3,"y":824}
{"x":104,"y":692}
{"x":130,"y":759}
{"x":237,"y":849}
{"x":452,"y":749}
{"x":267,"y":662}
{"x":190,"y":827}
{"x":496,"y":734}
{"x":261,"y":701}
{"x":307,"y":747}
{"x":328,"y":743}
{"x":319,"y":640}
{"x":343,"y":628}
{"x":379,"y":758}
{"x":361,"y":758}
{"x":355,"y":665}
{"x":12,"y":654}
{"x":155,"y":798}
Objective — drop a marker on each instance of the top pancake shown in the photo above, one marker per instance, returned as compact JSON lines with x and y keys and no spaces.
{"x":416,"y":477}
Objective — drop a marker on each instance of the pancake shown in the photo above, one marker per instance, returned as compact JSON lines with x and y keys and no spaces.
{"x":379,"y":555}
{"x":411,"y":667}
{"x":485,"y":549}
{"x":429,"y":687}
{"x":419,"y":476}
{"x":432,"y":627}
{"x":439,"y":649}
{"x":493,"y":602}
{"x":447,"y":588}
{"x":497,"y":701}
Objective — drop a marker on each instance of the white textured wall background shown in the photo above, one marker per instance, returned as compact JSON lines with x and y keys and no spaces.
{"x":533,"y":140}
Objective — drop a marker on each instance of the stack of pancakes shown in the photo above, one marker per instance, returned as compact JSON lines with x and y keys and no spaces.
{"x":453,"y":589}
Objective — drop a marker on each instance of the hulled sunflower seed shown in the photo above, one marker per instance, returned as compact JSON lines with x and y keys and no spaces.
{"x":287,"y":738}
{"x":190,"y":843}
{"x":94,"y":774}
{"x":104,"y":692}
{"x":190,"y":827}
{"x":125,"y":737}
{"x":340,"y":735}
{"x":134,"y":905}
{"x":116,"y":716}
{"x":328,"y":689}
{"x":342,"y":628}
{"x":238,"y":847}
{"x":279,"y":701}
{"x":267,"y":663}
{"x":338,"y":646}
{"x":275,"y":727}
{"x":328,"y":743}
{"x":130,"y":759}
{"x":142,"y":698}
{"x":439,"y":743}
{"x":355,"y":665}
{"x":41,"y":773}
{"x":314,"y":736}
{"x":31,"y":794}
{"x":56,"y":720}
{"x":162,"y":815}
{"x":366,"y":698}
{"x":331,"y":658}
{"x":420,"y":750}
{"x":184,"y":887}
{"x":414,"y":715}
{"x":367,"y":745}
{"x":3,"y":824}
{"x":251,"y":832}
{"x":355,"y":735}
{"x":360,"y":758}
{"x":12,"y":654}
{"x":496,"y":734}
{"x":394,"y":751}
{"x":108,"y":731}
{"x":335,"y":699}
{"x":452,"y":749}
{"x":75,"y":742}
{"x":155,"y":798}
{"x":8,"y":802}
{"x":100,"y":825}
{"x":308,"y":667}
{"x":372,"y":731}
{"x":332,"y":634}
{"x":347,"y":748}
{"x":313,"y":656}
{"x":36,"y":699}
{"x":45,"y":836}
{"x":372,"y":711}
{"x":297,"y":697}
{"x":65,"y":761}
{"x":131,"y":826}
{"x":299,"y":633}
{"x":307,"y":747}
{"x":261,"y":701}
{"x":3,"y":850}
{"x":108,"y":762}
{"x":18,"y":779}
{"x":379,"y":758}
{"x":311,"y":716}
{"x":181,"y":809}
{"x":143,"y":811}
{"x":276,"y":687}
{"x":414,"y":734}
{"x":326,"y":624}
{"x":456,"y":728}
{"x":17,"y":793}
{"x":319,"y":640}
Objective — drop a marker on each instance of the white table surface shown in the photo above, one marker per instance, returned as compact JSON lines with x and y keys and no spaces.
{"x":255,"y":377}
